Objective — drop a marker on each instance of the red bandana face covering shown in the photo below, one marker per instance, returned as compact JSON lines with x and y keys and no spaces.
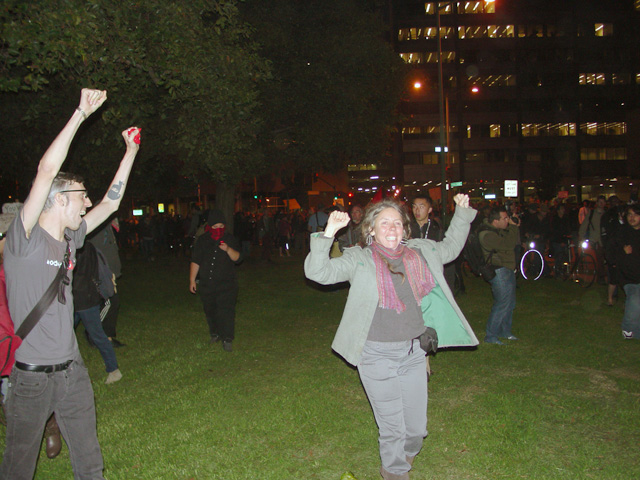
{"x":216,"y":233}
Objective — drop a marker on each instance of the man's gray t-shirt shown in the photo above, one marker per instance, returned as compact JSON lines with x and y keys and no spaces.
{"x":31,"y":265}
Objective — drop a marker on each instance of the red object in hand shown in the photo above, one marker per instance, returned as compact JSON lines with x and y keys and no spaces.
{"x":136,"y":139}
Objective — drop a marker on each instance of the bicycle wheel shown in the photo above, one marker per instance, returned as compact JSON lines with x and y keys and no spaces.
{"x":564,"y":271}
{"x":531,"y":265}
{"x":585,"y":273}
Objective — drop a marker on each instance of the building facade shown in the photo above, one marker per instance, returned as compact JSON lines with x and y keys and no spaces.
{"x":544,"y":92}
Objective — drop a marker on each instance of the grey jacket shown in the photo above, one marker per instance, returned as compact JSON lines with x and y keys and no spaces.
{"x":356,"y":266}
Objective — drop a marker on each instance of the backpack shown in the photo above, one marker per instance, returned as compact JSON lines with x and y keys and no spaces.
{"x":105,"y":277}
{"x":474,"y":255}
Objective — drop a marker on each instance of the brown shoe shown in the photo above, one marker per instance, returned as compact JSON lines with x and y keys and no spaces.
{"x":53,"y":441}
{"x":392,"y":476}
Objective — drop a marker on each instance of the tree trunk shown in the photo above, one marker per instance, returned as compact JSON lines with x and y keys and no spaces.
{"x":226,"y":201}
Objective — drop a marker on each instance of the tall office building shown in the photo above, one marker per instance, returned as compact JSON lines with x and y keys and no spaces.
{"x":546,"y":92}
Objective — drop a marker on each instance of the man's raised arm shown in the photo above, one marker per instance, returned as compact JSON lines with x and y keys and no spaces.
{"x":54,"y":157}
{"x":111,"y":201}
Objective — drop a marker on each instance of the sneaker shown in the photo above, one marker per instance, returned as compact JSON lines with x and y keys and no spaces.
{"x":226,"y":345}
{"x":214,"y":338}
{"x":627,"y":335}
{"x":493,"y":340}
{"x":113,"y":377}
{"x":512,"y":337}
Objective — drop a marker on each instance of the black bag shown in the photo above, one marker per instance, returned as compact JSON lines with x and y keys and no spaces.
{"x":474,"y":255}
{"x":105,"y":277}
{"x":429,"y":341}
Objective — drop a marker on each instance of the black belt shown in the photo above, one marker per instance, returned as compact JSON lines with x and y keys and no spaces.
{"x":28,"y":367}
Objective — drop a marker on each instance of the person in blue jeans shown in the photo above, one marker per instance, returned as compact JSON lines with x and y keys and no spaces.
{"x":499,"y":238}
{"x":86,"y":302}
{"x":625,"y":250}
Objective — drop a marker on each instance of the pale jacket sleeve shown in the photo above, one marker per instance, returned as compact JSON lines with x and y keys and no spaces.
{"x":456,"y":236}
{"x":324,"y":270}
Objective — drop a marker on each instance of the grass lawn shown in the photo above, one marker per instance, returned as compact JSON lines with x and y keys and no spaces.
{"x":563,"y":402}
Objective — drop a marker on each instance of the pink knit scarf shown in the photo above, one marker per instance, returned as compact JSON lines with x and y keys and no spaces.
{"x":420,"y":278}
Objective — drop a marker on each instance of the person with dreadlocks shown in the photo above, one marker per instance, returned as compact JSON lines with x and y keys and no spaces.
{"x":397,"y":289}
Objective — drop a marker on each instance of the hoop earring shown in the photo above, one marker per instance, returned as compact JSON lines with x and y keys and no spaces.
{"x":369,"y":239}
{"x":404,"y":241}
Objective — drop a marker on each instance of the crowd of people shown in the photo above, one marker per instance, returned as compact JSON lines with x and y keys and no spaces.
{"x":60,"y":262}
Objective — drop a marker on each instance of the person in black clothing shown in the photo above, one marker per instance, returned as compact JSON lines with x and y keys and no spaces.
{"x":560,"y":235}
{"x":86,"y":302}
{"x":625,"y":249}
{"x":610,"y":222}
{"x":213,"y":274}
{"x":422,"y":225}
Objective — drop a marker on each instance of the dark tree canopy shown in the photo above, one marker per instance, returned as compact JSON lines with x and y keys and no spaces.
{"x":222,"y":89}
{"x":186,"y":72}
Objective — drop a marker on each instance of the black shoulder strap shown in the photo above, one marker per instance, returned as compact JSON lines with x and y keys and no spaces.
{"x":55,"y":289}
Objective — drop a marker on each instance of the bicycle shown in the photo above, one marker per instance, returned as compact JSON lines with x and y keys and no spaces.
{"x":581,"y":267}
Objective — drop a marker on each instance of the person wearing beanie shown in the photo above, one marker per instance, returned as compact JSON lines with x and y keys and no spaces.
{"x":212,"y":273}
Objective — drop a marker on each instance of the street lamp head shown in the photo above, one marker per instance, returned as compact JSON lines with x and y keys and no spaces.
{"x":417,"y":85}
{"x":475,"y":89}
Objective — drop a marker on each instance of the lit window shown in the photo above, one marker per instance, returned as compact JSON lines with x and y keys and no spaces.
{"x":500,"y":31}
{"x":591,"y":79}
{"x":494,"y":130}
{"x":447,"y":32}
{"x":493,"y":80}
{"x":637,"y":4}
{"x":603,"y":154}
{"x":529,"y":130}
{"x":472,"y":32}
{"x":412,"y":57}
{"x":432,"y":57}
{"x":445,"y":8}
{"x":604,"y":128}
{"x":430,"y":32}
{"x":603,"y":29}
{"x":482,"y":6}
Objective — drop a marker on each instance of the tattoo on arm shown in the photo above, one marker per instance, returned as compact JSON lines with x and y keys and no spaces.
{"x":114,"y":192}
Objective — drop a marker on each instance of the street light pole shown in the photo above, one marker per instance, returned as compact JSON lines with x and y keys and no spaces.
{"x":442,"y":156}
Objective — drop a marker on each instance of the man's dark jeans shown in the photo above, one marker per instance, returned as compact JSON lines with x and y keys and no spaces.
{"x":31,"y":399}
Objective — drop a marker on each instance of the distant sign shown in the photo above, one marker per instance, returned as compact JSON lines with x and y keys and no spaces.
{"x":563,"y":194}
{"x":511,"y":188}
{"x":456,"y":184}
{"x":490,"y":196}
